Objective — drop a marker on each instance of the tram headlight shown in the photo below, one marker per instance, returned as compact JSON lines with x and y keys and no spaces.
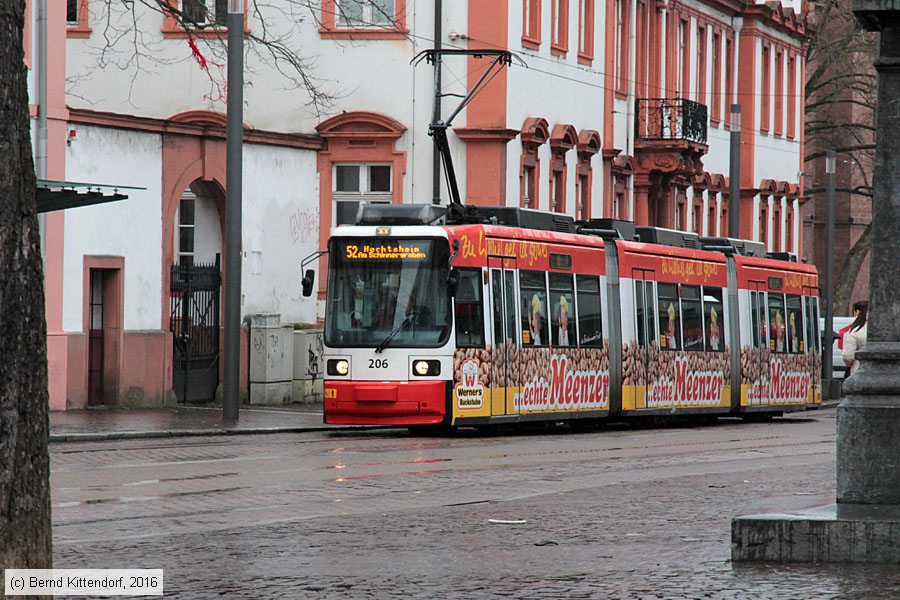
{"x":340,"y":366}
{"x":425,"y":368}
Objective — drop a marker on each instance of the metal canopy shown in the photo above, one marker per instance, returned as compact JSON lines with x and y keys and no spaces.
{"x":61,"y":195}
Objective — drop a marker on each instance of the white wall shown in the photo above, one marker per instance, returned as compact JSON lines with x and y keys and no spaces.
{"x":281,"y":228}
{"x":129,"y":228}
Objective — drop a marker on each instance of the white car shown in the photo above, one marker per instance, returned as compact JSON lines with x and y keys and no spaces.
{"x":839,"y":369}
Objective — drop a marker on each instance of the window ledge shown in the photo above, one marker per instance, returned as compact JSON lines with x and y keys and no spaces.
{"x":204,"y":34}
{"x":585,"y":59}
{"x":78,"y":32}
{"x":530,"y":43}
{"x":557,"y":50}
{"x":620,"y":95}
{"x":363,"y":34}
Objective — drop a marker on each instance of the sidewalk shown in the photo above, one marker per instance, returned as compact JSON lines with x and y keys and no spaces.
{"x":102,"y":424}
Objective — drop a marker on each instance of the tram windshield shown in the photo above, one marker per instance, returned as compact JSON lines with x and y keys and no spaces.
{"x":382,"y":288}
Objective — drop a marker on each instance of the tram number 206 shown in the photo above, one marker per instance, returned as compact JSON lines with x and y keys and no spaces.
{"x":378,"y":363}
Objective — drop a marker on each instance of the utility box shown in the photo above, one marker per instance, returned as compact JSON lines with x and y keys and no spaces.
{"x":271,"y":360}
{"x":309,"y":367}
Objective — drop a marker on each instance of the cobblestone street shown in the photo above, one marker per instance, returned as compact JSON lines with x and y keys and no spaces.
{"x":621,"y":513}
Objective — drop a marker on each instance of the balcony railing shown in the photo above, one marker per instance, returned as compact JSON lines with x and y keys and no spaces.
{"x":670,"y":119}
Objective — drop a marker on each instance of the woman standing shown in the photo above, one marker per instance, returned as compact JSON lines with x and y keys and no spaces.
{"x":855,"y":338}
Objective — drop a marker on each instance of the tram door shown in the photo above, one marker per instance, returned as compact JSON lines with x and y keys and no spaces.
{"x":759,"y":356}
{"x":645,"y":325}
{"x":505,"y":368}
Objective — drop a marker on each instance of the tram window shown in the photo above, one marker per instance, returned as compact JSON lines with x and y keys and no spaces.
{"x":795,"y":340}
{"x":534,"y":308}
{"x":713,"y":319}
{"x":639,"y":312}
{"x":777,"y":329}
{"x":511,"y":305}
{"x":692,"y":318}
{"x":812,"y":321}
{"x":497,"y":296}
{"x":469,"y":310}
{"x":757,"y":320}
{"x":590,"y":330}
{"x":562,"y":306}
{"x":669,"y":329}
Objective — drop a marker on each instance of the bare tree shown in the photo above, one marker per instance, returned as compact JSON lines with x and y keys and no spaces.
{"x":25,"y":535}
{"x":840,"y":116}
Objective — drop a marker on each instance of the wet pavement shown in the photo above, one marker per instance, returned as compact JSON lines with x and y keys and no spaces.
{"x":621,"y":513}
{"x":113,"y":423}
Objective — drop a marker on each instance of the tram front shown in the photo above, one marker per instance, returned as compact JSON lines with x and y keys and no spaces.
{"x":388,"y":324}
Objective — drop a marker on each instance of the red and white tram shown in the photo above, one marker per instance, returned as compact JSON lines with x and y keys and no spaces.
{"x":509,"y":315}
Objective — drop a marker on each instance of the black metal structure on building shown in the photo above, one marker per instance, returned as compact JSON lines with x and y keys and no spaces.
{"x":670,"y":119}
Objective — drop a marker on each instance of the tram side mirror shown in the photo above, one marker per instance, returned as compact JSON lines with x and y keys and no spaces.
{"x":452,"y":282}
{"x":307,"y":282}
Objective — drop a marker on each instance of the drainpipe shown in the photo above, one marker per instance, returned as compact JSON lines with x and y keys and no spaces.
{"x":436,"y":115}
{"x":41,"y":158}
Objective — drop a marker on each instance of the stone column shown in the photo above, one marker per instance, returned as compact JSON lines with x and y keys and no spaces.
{"x":868,"y":420}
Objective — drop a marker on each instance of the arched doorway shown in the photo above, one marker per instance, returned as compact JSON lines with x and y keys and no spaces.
{"x":195,"y":293}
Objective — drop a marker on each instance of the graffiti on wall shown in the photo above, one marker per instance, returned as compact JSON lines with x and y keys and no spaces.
{"x":303,"y":224}
{"x":314,"y":350}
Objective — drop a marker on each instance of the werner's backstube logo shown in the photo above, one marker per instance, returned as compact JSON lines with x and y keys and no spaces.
{"x":469,"y":392}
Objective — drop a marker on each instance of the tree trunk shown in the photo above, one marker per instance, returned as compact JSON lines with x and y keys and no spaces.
{"x":850,"y":272}
{"x":25,"y":535}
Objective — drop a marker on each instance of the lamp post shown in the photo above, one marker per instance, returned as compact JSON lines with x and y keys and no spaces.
{"x":734,"y":175}
{"x":234,"y":141}
{"x":830,"y":176}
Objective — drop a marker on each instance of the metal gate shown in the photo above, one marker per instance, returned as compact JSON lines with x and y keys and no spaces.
{"x":194,"y":321}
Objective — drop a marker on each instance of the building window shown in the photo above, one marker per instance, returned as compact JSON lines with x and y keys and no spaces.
{"x":711,"y":217}
{"x":363,"y":19}
{"x":364,"y":13}
{"x":359,"y":183}
{"x":621,"y":35}
{"x":789,"y":230}
{"x":792,"y":99}
{"x":685,"y":59}
{"x":77,"y":25}
{"x":531,"y":24}
{"x":779,"y":92}
{"x":765,"y":91}
{"x":697,"y":220}
{"x":205,"y":18}
{"x":583,"y":209}
{"x":763,"y":224}
{"x":206,"y":12}
{"x":558,"y":191}
{"x":701,"y":65}
{"x":729,"y":79}
{"x":559,"y":17}
{"x":529,"y":189}
{"x":776,"y":230}
{"x":715,"y":96}
{"x":586,"y":30}
{"x":184,"y":240}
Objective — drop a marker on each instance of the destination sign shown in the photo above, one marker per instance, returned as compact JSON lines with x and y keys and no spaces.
{"x":385,"y":251}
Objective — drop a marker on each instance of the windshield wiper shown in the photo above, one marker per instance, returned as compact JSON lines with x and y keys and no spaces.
{"x":406,"y":321}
